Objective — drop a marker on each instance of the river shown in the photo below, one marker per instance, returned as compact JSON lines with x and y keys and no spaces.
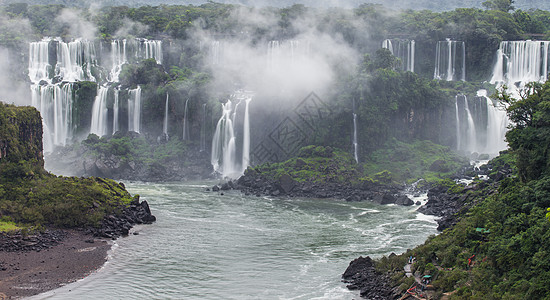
{"x":205,"y":245}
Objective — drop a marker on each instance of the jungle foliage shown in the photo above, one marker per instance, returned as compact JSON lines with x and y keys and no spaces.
{"x":506,"y":235}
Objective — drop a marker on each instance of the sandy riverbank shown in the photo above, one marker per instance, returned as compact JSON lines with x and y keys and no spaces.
{"x":27,"y":273}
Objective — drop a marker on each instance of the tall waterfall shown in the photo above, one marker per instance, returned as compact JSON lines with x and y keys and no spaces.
{"x":185,"y":121}
{"x":134,"y":109}
{"x":100,"y":112}
{"x":165,"y":121}
{"x":450,"y":60}
{"x":118,"y":59}
{"x":481,"y":125}
{"x":152,"y":49}
{"x":116,"y":107}
{"x":55,"y":103}
{"x":402,"y":49}
{"x":520,"y":62}
{"x":225,"y":159}
{"x":73,"y":62}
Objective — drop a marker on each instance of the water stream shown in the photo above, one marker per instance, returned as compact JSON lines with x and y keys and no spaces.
{"x":210,"y":246}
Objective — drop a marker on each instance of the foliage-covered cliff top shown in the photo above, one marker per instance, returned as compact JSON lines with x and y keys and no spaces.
{"x":29,"y":196}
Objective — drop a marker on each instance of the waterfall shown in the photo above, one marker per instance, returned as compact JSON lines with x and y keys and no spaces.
{"x":224,"y":143}
{"x":448,"y":59}
{"x":39,"y":65}
{"x":185,"y":121}
{"x":520,"y":62}
{"x":273,"y":54}
{"x":485,"y":127}
{"x":497,"y":124}
{"x":165,"y":122}
{"x":100,"y":113}
{"x":471,"y":131}
{"x":152,"y":49}
{"x":215,"y":52}
{"x":458,"y":144}
{"x":134,"y":109}
{"x":118,"y":59}
{"x":402,"y":49}
{"x":116,"y":126}
{"x":75,"y":60}
{"x":55,"y":105}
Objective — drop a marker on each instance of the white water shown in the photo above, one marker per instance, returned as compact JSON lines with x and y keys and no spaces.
{"x":55,"y":104}
{"x":100,"y":113}
{"x":208,"y":246}
{"x":152,"y":49}
{"x":486,"y":138}
{"x":449,"y":56}
{"x":520,"y":62}
{"x":165,"y":121}
{"x":134,"y":109}
{"x":402,"y":49}
{"x":203,"y":129}
{"x":118,"y":59}
{"x":224,"y":143}
{"x":75,"y":60}
{"x":116,"y":105}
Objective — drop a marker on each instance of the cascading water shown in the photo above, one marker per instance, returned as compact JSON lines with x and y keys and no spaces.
{"x":402,"y":49}
{"x":481,"y":125}
{"x":118,"y":59}
{"x":55,"y":105}
{"x":286,"y":53}
{"x":185,"y":121}
{"x":497,"y":124}
{"x":450,"y":60}
{"x":165,"y":121}
{"x":152,"y":49}
{"x":224,"y":143}
{"x":116,"y":106}
{"x":100,"y":113}
{"x":74,"y":61}
{"x":134,"y":109}
{"x":520,"y":62}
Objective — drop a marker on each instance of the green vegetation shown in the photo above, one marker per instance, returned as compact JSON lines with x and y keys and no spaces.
{"x":315,"y":164}
{"x":410,"y":162}
{"x":499,"y":249}
{"x":136,"y":149}
{"x":32,"y":198}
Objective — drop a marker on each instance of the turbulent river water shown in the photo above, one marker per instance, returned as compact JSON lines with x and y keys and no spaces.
{"x":205,"y":245}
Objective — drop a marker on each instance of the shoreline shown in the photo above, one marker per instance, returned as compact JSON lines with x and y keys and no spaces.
{"x":29,"y":273}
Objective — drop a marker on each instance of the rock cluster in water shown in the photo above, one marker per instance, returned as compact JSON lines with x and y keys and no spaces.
{"x":253,"y":183}
{"x":114,"y":226}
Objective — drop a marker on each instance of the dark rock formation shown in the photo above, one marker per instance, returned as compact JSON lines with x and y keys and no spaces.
{"x":114,"y":226}
{"x":17,"y":241}
{"x":254,"y":183}
{"x":361,"y":275}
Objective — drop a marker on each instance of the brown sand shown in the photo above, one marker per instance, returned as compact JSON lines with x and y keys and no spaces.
{"x":34,"y":272}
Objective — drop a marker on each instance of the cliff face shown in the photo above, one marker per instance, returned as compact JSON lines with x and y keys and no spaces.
{"x":20,"y":135}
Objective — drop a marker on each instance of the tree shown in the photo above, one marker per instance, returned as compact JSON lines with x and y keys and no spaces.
{"x":502,"y":5}
{"x":529,"y":137}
